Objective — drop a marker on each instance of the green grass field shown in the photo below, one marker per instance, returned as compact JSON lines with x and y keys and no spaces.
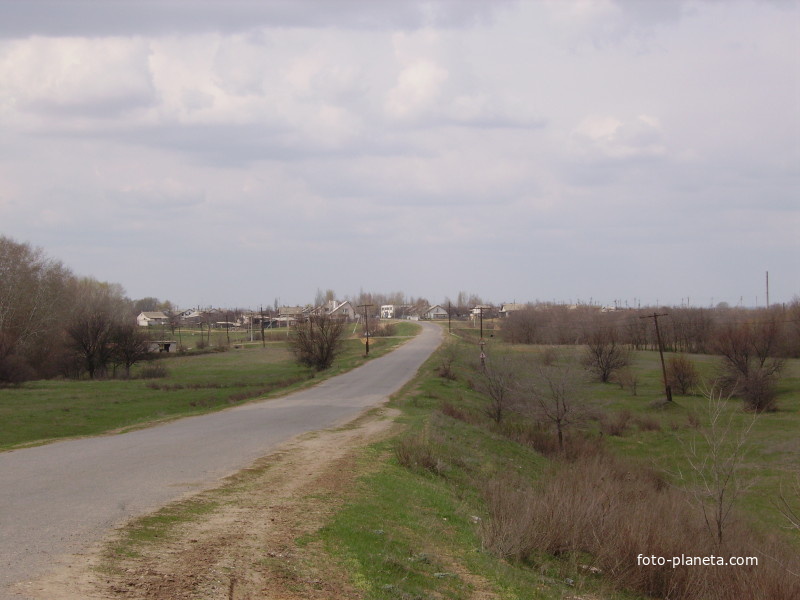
{"x":40,"y":411}
{"x":410,"y":521}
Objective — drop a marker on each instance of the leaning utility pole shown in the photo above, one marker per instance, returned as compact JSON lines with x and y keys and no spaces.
{"x":366,"y":323}
{"x":655,"y":316}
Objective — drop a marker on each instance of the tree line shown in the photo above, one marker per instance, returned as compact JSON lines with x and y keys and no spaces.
{"x":751,"y":343}
{"x":54,"y":323}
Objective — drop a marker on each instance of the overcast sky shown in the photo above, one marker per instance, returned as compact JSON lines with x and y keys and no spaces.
{"x":228,"y":153}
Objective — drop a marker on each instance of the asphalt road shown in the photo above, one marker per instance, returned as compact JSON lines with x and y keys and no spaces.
{"x":61,"y":498}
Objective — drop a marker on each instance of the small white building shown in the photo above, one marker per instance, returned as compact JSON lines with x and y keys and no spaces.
{"x":147,"y":319}
{"x":387,"y":311}
{"x":158,"y":346}
{"x":435,"y":312}
{"x":510,"y":307}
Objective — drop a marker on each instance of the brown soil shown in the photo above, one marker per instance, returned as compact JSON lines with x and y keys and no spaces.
{"x":246,"y":547}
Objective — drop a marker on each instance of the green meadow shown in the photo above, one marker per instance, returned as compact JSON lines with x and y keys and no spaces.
{"x":186,"y":384}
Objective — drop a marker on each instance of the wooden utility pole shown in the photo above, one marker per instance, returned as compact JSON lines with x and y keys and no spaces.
{"x":482,"y":342}
{"x":366,"y":323}
{"x":655,"y":316}
{"x":449,"y":314}
{"x":261,"y":314}
{"x":767,"y":289}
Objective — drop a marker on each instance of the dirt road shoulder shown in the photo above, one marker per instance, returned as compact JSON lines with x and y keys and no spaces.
{"x":244,"y":539}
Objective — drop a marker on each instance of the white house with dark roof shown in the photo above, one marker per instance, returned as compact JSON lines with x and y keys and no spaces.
{"x":437,"y":311}
{"x":148,"y":319}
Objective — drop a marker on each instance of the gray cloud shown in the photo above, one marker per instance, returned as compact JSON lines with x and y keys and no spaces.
{"x":158,"y":17}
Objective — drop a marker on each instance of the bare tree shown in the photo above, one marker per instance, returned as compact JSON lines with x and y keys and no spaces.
{"x":129,"y":345}
{"x":553,"y":395}
{"x":716,"y":456}
{"x":749,"y":369}
{"x":32,"y":298}
{"x":318,"y":341}
{"x":90,"y":328}
{"x":604,"y":354}
{"x":525,"y":326}
{"x":498,"y":381}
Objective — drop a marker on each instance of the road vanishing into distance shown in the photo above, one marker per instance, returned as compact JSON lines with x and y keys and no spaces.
{"x":62,"y":498}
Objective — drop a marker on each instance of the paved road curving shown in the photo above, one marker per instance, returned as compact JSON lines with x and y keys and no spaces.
{"x":61,"y":498}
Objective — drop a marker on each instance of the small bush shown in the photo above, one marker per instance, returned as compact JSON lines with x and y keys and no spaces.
{"x":616,"y":424}
{"x":682,"y":375}
{"x":416,"y":451}
{"x":383,"y":330}
{"x":647,"y":424}
{"x":153,"y":370}
{"x":540,"y":437}
{"x":627,"y":379}
{"x":453,"y":412}
{"x":549,"y":356}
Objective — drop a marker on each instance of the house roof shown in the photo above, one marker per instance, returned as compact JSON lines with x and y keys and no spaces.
{"x":153,"y":315}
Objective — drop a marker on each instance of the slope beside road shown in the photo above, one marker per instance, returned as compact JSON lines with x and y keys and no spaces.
{"x":62,"y":498}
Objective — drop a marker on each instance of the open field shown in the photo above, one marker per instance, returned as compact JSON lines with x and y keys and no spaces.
{"x":194,"y":384}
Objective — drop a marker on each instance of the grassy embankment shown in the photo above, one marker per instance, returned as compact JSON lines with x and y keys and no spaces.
{"x":41,"y":411}
{"x":421,"y":527}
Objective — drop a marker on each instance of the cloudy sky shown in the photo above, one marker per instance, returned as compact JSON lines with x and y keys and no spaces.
{"x":232,"y":152}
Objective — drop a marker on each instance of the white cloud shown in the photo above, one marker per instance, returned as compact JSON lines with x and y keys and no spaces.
{"x":418,"y":87}
{"x":101,"y":77}
{"x":608,"y":137}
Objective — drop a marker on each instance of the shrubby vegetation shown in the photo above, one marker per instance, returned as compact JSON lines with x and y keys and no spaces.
{"x":573,"y":488}
{"x":318,"y":341}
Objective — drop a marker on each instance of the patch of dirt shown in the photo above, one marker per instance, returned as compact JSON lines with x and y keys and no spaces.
{"x":247,"y":547}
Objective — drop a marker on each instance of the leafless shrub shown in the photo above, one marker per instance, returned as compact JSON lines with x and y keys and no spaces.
{"x":549,"y":356}
{"x":749,"y":368}
{"x":383,"y":330}
{"x":498,"y":381}
{"x":617,"y":423}
{"x":647,"y":424}
{"x":602,"y":512}
{"x":448,"y":357}
{"x":539,"y":436}
{"x":682,"y":374}
{"x":715,"y":456}
{"x":453,"y":412}
{"x":627,"y":379}
{"x":417,"y":451}
{"x":318,"y":341}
